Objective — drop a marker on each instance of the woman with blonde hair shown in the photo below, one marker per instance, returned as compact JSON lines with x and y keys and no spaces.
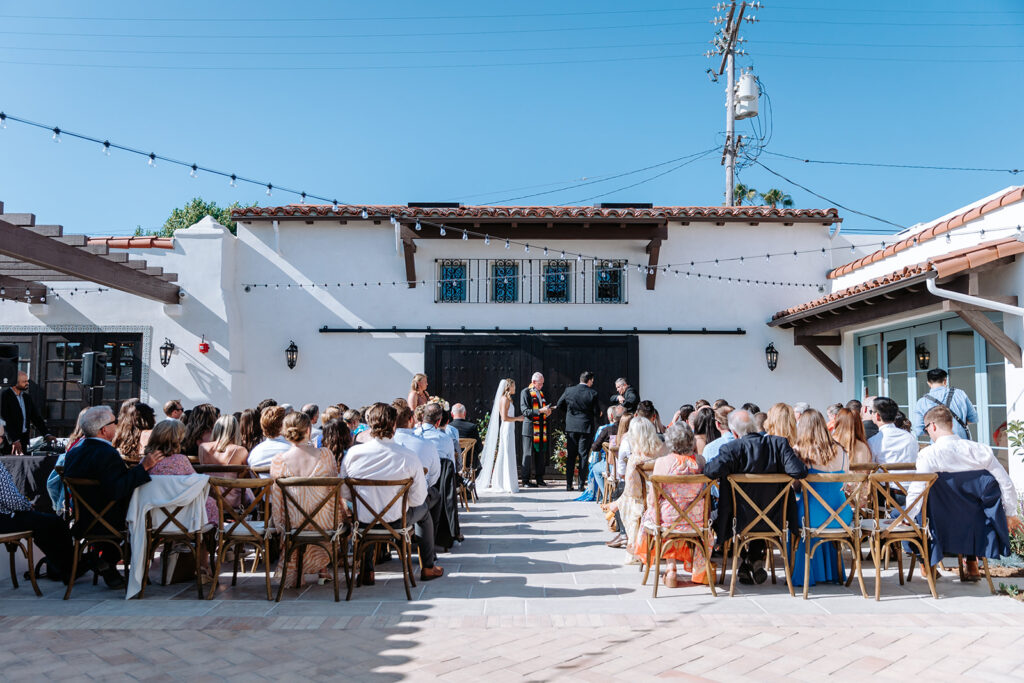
{"x":644,"y":447}
{"x":302,"y":460}
{"x":418,"y":395}
{"x":781,"y":421}
{"x":822,"y":455}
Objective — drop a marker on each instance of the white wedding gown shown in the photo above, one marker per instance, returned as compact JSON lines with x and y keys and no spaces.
{"x":499,"y":473}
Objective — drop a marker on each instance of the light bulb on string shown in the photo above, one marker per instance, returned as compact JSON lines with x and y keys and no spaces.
{"x":795,"y":255}
{"x":152,"y":160}
{"x":487,"y":240}
{"x":106,"y":148}
{"x":270,"y":189}
{"x":526,"y":249}
{"x":563,"y":251}
{"x":545,"y":251}
{"x":334,"y":205}
{"x":3,"y":120}
{"x":56,"y":135}
{"x":465,"y":235}
{"x":364,"y":214}
{"x":507,"y":244}
{"x":949,"y":238}
{"x":419,"y":226}
{"x":232,"y":182}
{"x":443,"y":233}
{"x":579,"y":259}
{"x":302,"y":198}
{"x":195,"y":168}
{"x":767,"y":258}
{"x":853,"y":249}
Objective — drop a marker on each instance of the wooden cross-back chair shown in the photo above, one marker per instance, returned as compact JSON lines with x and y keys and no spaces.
{"x":846,"y":533}
{"x":609,"y":474}
{"x":467,"y":480}
{"x":769,"y":532}
{"x":892,"y":523}
{"x":169,"y":531}
{"x":301,"y":528}
{"x":692,"y":525}
{"x":21,"y":540}
{"x":94,"y":532}
{"x":367,"y":536}
{"x":240,"y":527}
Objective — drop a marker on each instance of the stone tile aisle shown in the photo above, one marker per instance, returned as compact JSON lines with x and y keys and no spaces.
{"x":532,"y":594}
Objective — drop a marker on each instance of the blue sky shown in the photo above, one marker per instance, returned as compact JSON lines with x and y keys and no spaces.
{"x":485,"y":102}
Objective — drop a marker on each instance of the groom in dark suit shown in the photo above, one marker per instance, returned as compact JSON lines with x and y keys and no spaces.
{"x":534,"y":429}
{"x":582,"y":415}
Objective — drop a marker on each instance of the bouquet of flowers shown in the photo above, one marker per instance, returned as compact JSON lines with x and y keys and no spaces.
{"x":558,"y":451}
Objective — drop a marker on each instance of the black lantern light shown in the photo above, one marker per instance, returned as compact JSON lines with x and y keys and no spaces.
{"x":291,"y":355}
{"x":771,"y":354}
{"x":166,"y":349}
{"x":924,"y":357}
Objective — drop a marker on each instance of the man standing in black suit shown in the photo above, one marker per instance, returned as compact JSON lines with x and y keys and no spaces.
{"x":534,"y":429}
{"x":467,"y":429}
{"x":625,"y":395}
{"x":20,"y":414}
{"x":581,"y":418}
{"x":95,"y":458}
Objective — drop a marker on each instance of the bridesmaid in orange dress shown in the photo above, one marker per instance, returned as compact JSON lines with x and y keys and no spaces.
{"x":682,"y":459}
{"x":303,"y":459}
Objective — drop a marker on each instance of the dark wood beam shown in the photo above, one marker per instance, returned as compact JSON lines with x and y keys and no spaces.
{"x":825,"y":360}
{"x":47,"y":253}
{"x":910,"y":302}
{"x":653,"y":252}
{"x":820,"y":340}
{"x":13,"y":289}
{"x":980,"y":323}
{"x":540,"y":231}
{"x":409,"y":249}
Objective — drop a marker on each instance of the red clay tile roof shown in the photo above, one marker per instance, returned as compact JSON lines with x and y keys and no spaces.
{"x":134,"y":242}
{"x":944,"y":266}
{"x":545,"y":212}
{"x":941,"y":228}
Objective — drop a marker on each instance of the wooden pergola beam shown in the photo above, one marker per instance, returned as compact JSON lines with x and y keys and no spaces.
{"x":653,"y":253}
{"x":27,"y":246}
{"x":13,"y":289}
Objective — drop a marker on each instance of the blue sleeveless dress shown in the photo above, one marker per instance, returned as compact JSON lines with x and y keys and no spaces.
{"x":827,"y":561}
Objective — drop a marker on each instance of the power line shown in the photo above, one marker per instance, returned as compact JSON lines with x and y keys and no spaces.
{"x":698,"y":157}
{"x":831,"y":201}
{"x":1013,"y":171}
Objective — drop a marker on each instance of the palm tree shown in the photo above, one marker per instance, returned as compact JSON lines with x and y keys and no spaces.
{"x":774,"y":197}
{"x":742,"y":192}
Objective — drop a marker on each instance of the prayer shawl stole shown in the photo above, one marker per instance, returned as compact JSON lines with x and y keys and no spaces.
{"x":540,"y":423}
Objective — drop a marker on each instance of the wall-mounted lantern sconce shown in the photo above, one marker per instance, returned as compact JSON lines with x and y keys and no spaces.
{"x":771,"y":355}
{"x":924,"y":357}
{"x":291,"y":355}
{"x":166,"y":349}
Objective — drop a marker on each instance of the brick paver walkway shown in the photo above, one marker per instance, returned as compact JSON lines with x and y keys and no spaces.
{"x":532,"y":594}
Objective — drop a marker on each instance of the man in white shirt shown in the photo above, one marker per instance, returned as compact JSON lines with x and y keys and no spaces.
{"x":271,"y":422}
{"x":424,"y":450}
{"x":430,"y":431}
{"x":891,"y":444}
{"x":382,"y":458}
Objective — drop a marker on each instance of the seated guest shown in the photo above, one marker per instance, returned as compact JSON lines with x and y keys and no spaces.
{"x":598,"y":470}
{"x":199,"y":428}
{"x":891,"y":444}
{"x":830,"y":414}
{"x":271,"y":422}
{"x":336,"y":437}
{"x":719,"y":403}
{"x":681,"y":459}
{"x":249,"y":431}
{"x":165,"y":441}
{"x":759,"y":420}
{"x":302,"y":459}
{"x":722,"y":424}
{"x":49,"y":532}
{"x":312,"y":411}
{"x":781,"y":421}
{"x":356,"y":425}
{"x":264,"y":404}
{"x":704,"y":426}
{"x":683,"y":414}
{"x":425,"y":450}
{"x":866,"y":412}
{"x":383,"y":459}
{"x":467,"y":429}
{"x":822,"y":455}
{"x":750,"y":453}
{"x":645,"y":447}
{"x":430,"y":430}
{"x":53,"y":483}
{"x":799,"y":408}
{"x":751,"y":408}
{"x":849,"y":434}
{"x":223,"y":449}
{"x":95,"y":458}
{"x":134,"y":423}
{"x":950,"y":453}
{"x":173,"y":410}
{"x":447,"y":428}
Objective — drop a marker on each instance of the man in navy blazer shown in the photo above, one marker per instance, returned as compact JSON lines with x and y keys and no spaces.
{"x":96,"y":458}
{"x":582,"y":415}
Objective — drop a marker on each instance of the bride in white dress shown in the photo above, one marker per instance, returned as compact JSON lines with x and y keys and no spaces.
{"x":499,"y":473}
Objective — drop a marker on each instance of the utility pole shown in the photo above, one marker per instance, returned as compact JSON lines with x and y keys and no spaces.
{"x":725,"y":42}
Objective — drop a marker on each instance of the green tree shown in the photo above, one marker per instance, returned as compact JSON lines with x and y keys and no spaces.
{"x":190,"y":214}
{"x":774,"y":197}
{"x":743,"y":193}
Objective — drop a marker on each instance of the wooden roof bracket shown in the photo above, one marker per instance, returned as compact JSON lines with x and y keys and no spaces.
{"x":653,"y":253}
{"x":813,"y":346}
{"x":409,"y":248}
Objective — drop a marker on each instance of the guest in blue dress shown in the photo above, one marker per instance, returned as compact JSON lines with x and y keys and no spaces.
{"x":822,"y":455}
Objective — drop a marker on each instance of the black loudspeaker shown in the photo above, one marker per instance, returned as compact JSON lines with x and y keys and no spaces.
{"x":8,"y":364}
{"x":94,"y":369}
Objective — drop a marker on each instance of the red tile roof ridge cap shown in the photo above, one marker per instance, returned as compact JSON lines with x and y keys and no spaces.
{"x":940,"y":227}
{"x":133,"y":242}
